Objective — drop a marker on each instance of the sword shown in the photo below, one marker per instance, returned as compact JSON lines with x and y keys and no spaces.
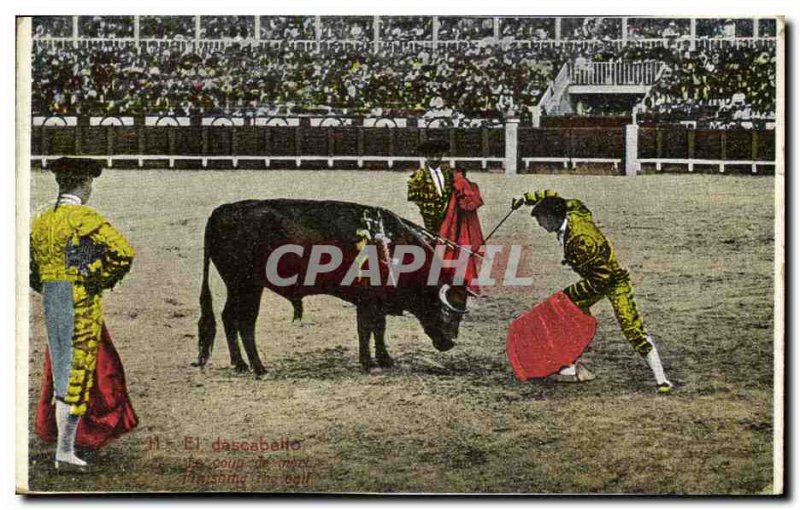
{"x":436,"y":237}
{"x":515,"y":204}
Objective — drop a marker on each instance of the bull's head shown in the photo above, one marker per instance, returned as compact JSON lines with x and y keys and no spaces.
{"x":440,"y":311}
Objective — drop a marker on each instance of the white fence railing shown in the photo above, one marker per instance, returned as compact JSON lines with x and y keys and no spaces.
{"x":597,"y":73}
{"x":401,"y":46}
{"x":268,"y":161}
{"x":278,"y":119}
{"x":361,"y":161}
{"x":719,"y":163}
{"x":615,"y":73}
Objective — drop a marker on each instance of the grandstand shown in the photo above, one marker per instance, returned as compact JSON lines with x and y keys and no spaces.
{"x":416,"y":72}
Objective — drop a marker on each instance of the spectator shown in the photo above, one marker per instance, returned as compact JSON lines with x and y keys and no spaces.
{"x":453,"y":28}
{"x":105,"y":27}
{"x":527,"y":28}
{"x":406,"y":28}
{"x":291,"y":28}
{"x":227,"y":27}
{"x":347,"y":28}
{"x":52,"y":26}
{"x":166,"y":27}
{"x":742,"y":79}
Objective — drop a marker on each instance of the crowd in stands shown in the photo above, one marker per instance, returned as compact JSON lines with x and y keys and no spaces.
{"x":227,"y":27}
{"x":397,"y":27}
{"x":452,"y":28}
{"x":166,"y":27}
{"x":591,"y":28}
{"x":406,"y":28}
{"x":767,"y":27}
{"x":291,"y":28}
{"x":657,"y":28}
{"x":527,"y":28}
{"x":715,"y":28}
{"x":52,"y":26}
{"x":350,"y":28}
{"x":171,"y":81}
{"x":727,"y":84}
{"x":105,"y":27}
{"x":479,"y":80}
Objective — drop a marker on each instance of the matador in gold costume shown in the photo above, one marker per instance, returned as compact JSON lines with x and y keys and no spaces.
{"x":75,"y":256}
{"x":590,"y":254}
{"x":430,"y":187}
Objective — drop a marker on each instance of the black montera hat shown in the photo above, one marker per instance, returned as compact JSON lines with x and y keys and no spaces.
{"x":554,"y":205}
{"x":433,"y":146}
{"x":78,"y":167}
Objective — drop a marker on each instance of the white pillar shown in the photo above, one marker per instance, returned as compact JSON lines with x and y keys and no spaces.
{"x":625,"y":31}
{"x":376,"y":33}
{"x":536,"y":115}
{"x":136,"y":28}
{"x":632,"y":165}
{"x":692,"y":33}
{"x":512,"y":129}
{"x":317,"y":28}
{"x":257,"y":35}
{"x":435,"y":28}
{"x":755,"y":28}
{"x":74,"y":31}
{"x":197,"y":28}
{"x":496,"y":29}
{"x":558,"y":29}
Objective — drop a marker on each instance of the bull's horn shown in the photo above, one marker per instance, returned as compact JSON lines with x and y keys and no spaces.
{"x":443,"y":298}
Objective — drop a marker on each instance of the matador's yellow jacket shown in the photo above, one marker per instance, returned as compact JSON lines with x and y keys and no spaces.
{"x":588,"y":253}
{"x":59,"y":238}
{"x":422,"y":191}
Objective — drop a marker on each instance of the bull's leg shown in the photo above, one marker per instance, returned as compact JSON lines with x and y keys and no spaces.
{"x":230,"y":323}
{"x":381,"y":354}
{"x":249,"y":302}
{"x":297,"y":305}
{"x":365,"y":325}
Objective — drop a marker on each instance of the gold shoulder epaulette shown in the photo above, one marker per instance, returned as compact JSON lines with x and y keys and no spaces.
{"x":577,"y":208}
{"x":84,"y":220}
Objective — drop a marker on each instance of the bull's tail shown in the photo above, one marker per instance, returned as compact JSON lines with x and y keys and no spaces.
{"x":207,"y":325}
{"x":297,"y":306}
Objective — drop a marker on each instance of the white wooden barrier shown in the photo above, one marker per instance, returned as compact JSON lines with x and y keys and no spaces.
{"x":719,"y":163}
{"x":298,"y":160}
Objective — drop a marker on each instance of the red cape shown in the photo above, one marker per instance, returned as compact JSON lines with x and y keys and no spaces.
{"x":461,"y":224}
{"x":110,"y":413}
{"x":551,"y":335}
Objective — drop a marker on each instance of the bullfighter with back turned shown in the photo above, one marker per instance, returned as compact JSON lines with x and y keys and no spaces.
{"x":76,"y":256}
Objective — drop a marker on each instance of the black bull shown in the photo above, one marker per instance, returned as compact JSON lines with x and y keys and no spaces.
{"x":240,"y":236}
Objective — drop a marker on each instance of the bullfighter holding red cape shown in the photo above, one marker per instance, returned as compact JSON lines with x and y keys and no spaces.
{"x":462,"y":226}
{"x":76,"y":257}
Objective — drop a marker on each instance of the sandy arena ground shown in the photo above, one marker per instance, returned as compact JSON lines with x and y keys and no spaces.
{"x":700,"y":249}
